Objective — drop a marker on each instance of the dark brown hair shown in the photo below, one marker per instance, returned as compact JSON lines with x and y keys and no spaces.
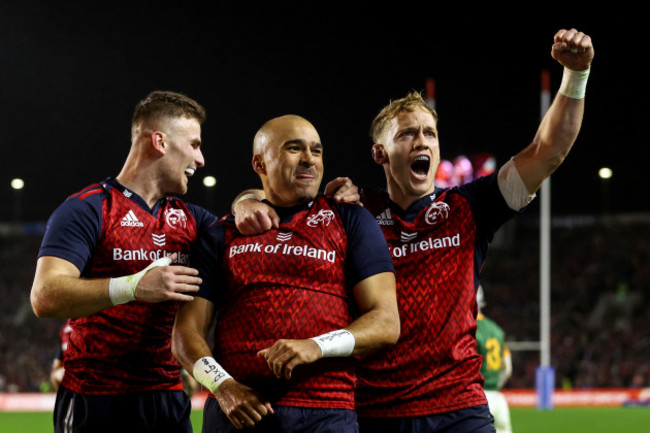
{"x":161,"y":103}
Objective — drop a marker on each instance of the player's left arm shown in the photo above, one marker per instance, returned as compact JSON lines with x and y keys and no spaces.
{"x":370,"y":273}
{"x":561,"y":124}
{"x":377,"y":327}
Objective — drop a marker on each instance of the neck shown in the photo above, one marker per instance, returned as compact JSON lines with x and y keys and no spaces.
{"x":282,"y":198}
{"x":403,"y":202}
{"x":140,"y":183}
{"x":289,"y":204}
{"x":402,"y":199}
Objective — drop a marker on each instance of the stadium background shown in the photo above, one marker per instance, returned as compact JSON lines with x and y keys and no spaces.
{"x":71,"y":76}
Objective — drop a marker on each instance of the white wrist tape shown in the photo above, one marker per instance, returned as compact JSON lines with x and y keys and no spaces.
{"x":209,"y":373}
{"x":512,"y":186}
{"x":242,"y":198}
{"x":122,"y":289}
{"x":336,"y":343}
{"x":574,"y":83}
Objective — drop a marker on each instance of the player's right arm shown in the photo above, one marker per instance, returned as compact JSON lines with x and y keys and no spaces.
{"x":72,"y":234}
{"x":253,"y":217}
{"x":241,"y":404}
{"x":60,"y":291}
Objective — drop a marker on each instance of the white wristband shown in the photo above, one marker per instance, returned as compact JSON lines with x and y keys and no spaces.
{"x":122,"y":289}
{"x":242,"y":198}
{"x":209,"y":373}
{"x":574,"y":83}
{"x":336,"y":343}
{"x":512,"y":186}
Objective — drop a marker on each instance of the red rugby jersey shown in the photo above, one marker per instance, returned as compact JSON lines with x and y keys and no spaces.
{"x":292,"y":282}
{"x":125,"y":348}
{"x":437,"y":252}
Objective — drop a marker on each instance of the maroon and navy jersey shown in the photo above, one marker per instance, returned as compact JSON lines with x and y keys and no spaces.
{"x":108,"y":231}
{"x":438,"y":247}
{"x":294,"y":282}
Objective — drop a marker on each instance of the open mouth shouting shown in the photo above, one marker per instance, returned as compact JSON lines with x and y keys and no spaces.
{"x":420,"y":166}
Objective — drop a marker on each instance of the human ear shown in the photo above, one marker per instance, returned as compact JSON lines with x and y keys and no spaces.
{"x":258,"y":164}
{"x":379,"y":154}
{"x":157,"y":142}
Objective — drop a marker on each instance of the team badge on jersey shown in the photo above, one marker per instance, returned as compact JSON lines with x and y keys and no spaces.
{"x":176,"y":218}
{"x":324,"y":216}
{"x":438,"y":212}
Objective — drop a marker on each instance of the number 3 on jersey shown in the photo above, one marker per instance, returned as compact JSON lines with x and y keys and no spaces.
{"x":493,"y":357}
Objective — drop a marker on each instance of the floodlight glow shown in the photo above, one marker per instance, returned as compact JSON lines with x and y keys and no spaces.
{"x":605,"y":173}
{"x":209,"y":181}
{"x":17,"y":183}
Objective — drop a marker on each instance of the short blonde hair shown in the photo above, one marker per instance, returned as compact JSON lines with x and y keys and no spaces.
{"x":408,"y":103}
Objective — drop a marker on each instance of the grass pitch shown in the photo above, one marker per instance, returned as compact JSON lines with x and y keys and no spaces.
{"x":583,"y":419}
{"x":524,"y":420}
{"x":41,"y":422}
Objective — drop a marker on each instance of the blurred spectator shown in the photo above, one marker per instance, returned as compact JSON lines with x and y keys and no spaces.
{"x":593,"y":343}
{"x":27,"y":344}
{"x":445,"y":174}
{"x":463,"y":170}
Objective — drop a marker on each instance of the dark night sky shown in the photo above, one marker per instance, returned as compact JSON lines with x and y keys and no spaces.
{"x":72,"y":72}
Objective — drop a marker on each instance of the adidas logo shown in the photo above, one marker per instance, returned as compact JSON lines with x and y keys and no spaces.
{"x":407,"y":237}
{"x":127,"y":193}
{"x":385,"y":218}
{"x":130,"y":220}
